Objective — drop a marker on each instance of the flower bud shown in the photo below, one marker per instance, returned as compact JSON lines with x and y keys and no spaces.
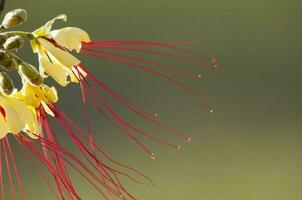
{"x":3,"y":38}
{"x":30,"y":74}
{"x":7,"y":62}
{"x":14,"y":42}
{"x":14,"y":18}
{"x":6,"y":84}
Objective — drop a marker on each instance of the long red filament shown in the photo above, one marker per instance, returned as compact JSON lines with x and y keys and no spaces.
{"x":103,"y":153}
{"x":1,"y":175}
{"x":10,"y":178}
{"x":157,"y":73}
{"x":130,"y":106}
{"x":44,"y":176}
{"x":151,"y":62}
{"x":127,"y":124}
{"x":57,"y":160}
{"x":15,"y":169}
{"x":84,"y":150}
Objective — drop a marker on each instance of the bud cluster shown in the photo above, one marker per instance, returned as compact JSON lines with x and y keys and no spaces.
{"x":10,"y":42}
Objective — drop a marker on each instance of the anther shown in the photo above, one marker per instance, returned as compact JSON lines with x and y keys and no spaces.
{"x":152,"y":156}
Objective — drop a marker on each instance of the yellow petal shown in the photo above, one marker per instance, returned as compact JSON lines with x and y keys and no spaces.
{"x":34,"y":95}
{"x":45,"y":30}
{"x":13,"y":121}
{"x":3,"y":127}
{"x":59,"y":55}
{"x":34,"y":46}
{"x":47,"y":109}
{"x":57,"y":71}
{"x":17,"y":115}
{"x":29,"y":118}
{"x":77,"y":74}
{"x":70,"y":38}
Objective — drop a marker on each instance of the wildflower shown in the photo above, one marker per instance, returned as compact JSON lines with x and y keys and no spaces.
{"x":16,"y":117}
{"x":54,"y":45}
{"x":37,"y":96}
{"x":29,"y":113}
{"x":51,"y":46}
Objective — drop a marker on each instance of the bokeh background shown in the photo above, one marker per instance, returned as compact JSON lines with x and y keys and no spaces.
{"x":249,"y":148}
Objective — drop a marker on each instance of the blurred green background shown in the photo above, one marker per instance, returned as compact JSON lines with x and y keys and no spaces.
{"x":249,"y":148}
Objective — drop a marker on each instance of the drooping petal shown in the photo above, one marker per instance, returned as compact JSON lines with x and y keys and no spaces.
{"x":34,"y":46}
{"x":13,"y":120}
{"x":70,"y":38}
{"x":61,"y":56}
{"x":56,"y":62}
{"x":29,"y":117}
{"x":45,"y":30}
{"x":57,"y":71}
{"x":3,"y":127}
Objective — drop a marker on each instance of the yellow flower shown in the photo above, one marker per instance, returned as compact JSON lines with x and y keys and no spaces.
{"x":16,"y":116}
{"x":52,"y":48}
{"x":37,"y":96}
{"x":18,"y":111}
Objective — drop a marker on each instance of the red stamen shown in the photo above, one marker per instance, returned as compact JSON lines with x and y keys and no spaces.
{"x":130,"y":106}
{"x":1,"y":174}
{"x":15,"y":168}
{"x":10,"y":178}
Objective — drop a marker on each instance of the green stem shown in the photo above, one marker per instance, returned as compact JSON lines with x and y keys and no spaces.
{"x":19,"y":60}
{"x":28,"y":35}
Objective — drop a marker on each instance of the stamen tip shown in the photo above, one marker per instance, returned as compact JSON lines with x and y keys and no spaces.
{"x":189,"y":139}
{"x":178,"y":147}
{"x":152,"y":156}
{"x":199,"y":76}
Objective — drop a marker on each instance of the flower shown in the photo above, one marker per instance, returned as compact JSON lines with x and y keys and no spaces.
{"x":18,"y":111}
{"x":27,"y":110}
{"x":37,"y":96}
{"x":16,"y":116}
{"x":52,"y":48}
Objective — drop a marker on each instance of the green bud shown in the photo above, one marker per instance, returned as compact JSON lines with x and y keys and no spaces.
{"x":14,"y":18}
{"x":3,"y":38}
{"x":7,"y":62}
{"x":14,"y":42}
{"x":6,"y":84}
{"x":30,"y":74}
